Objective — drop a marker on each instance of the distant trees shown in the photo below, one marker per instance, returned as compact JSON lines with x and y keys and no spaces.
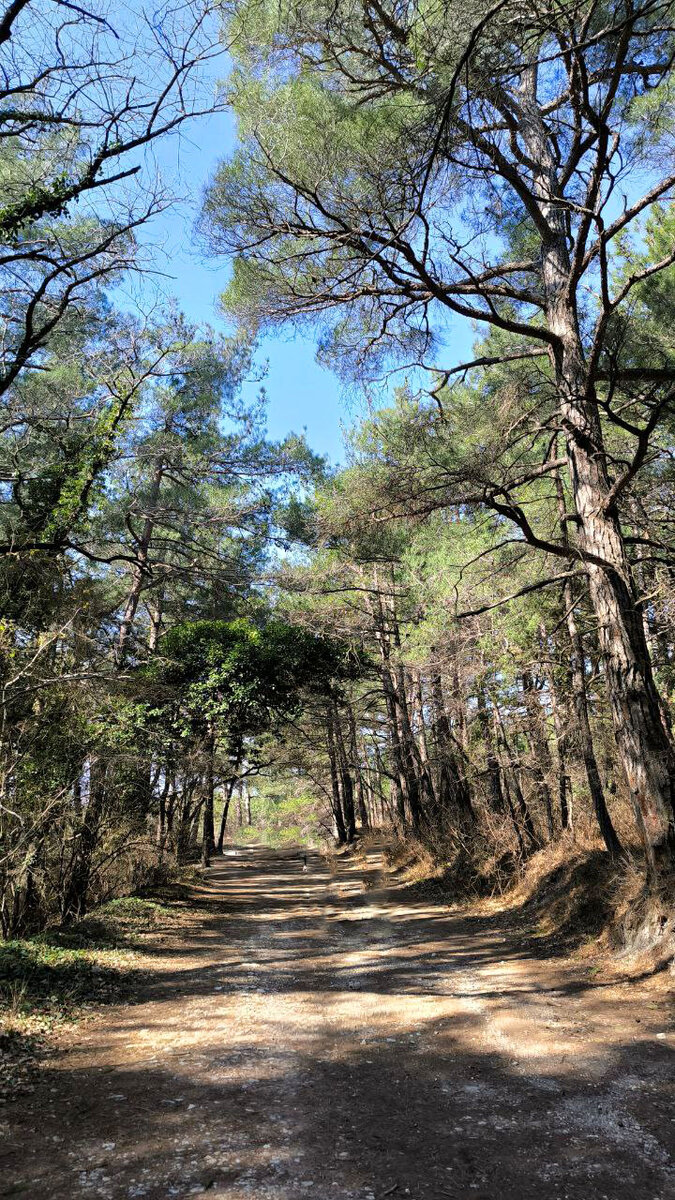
{"x":233,"y":682}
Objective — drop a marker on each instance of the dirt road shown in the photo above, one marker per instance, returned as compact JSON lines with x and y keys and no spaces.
{"x":314,"y":1038}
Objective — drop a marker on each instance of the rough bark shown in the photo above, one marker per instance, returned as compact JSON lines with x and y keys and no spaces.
{"x":583,"y":736}
{"x":645,"y":748}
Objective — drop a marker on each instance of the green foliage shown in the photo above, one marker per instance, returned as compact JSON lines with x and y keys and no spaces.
{"x":244,"y":679}
{"x":281,"y":814}
{"x":57,"y":971}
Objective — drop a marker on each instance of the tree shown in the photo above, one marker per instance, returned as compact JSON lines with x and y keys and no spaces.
{"x":82,"y":100}
{"x":399,"y":164}
{"x":237,"y":681}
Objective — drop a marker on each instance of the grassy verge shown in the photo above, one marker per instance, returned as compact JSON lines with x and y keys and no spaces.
{"x":62,"y":975}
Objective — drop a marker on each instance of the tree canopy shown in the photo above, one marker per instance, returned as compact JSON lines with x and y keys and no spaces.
{"x":465,"y":633}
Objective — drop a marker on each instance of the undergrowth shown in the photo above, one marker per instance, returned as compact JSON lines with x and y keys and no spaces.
{"x":570,"y":896}
{"x":62,"y":974}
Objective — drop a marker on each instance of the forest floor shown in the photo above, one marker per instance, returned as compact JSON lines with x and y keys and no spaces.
{"x":321,"y":1035}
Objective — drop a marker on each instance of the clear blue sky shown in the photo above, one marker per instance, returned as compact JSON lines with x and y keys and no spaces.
{"x":301,"y":393}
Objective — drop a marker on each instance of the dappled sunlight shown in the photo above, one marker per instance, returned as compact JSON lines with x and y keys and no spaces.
{"x":347,"y":1045}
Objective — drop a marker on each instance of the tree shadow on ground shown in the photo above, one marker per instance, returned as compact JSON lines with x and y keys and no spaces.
{"x":358,"y":1083}
{"x":418,"y":1114}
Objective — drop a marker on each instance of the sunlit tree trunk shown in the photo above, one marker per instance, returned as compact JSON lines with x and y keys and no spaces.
{"x":644,"y":745}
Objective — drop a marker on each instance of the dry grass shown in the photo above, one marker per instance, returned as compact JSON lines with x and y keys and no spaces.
{"x":644,"y":913}
{"x":570,"y":896}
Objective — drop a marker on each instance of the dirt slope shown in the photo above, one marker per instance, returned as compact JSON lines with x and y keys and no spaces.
{"x":310,"y":1038}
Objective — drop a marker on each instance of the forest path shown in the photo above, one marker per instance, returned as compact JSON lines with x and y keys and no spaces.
{"x":311,"y":1036}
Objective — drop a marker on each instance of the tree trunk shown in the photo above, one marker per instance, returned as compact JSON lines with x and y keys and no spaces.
{"x":155,"y":612}
{"x":541,"y":763}
{"x":339,"y":830}
{"x":224,"y":814}
{"x":645,"y":747}
{"x":208,"y":824}
{"x":401,"y":781}
{"x":422,"y":755}
{"x":561,"y":725}
{"x":407,"y":784}
{"x":161,"y":816}
{"x":583,"y":733}
{"x":417,"y":784}
{"x":75,"y":900}
{"x":345,"y":782}
{"x":583,"y":727}
{"x":453,"y":791}
{"x":358,"y":773}
{"x":492,"y":774}
{"x":513,"y":785}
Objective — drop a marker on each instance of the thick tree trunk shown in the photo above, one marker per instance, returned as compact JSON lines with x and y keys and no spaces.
{"x":583,"y":735}
{"x":645,"y":747}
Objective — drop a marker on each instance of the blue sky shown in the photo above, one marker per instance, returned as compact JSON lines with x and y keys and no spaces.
{"x":301,"y":394}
